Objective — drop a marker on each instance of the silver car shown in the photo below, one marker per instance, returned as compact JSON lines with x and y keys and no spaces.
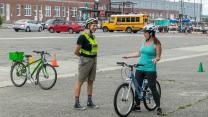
{"x":27,"y":25}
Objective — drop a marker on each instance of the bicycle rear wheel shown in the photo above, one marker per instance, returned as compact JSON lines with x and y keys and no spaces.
{"x":123,"y":100}
{"x":46,"y":76}
{"x":149,"y":102}
{"x":158,"y":88}
{"x":18,"y":74}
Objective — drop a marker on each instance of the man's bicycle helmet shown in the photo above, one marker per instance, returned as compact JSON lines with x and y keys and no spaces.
{"x":90,"y":21}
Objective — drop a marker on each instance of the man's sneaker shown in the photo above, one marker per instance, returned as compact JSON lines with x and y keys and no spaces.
{"x":77,"y":106}
{"x":159,"y":111}
{"x":136,"y":108}
{"x":92,"y":105}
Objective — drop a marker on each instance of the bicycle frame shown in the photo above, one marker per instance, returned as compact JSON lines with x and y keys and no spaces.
{"x":40,"y":62}
{"x":134,"y":83}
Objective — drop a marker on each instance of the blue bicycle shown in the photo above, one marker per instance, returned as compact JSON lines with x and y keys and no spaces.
{"x":124,"y":95}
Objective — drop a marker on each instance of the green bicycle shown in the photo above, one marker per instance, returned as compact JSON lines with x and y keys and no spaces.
{"x":45,"y":76}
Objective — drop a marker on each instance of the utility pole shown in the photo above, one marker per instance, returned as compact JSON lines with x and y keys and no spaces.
{"x":201,"y":10}
{"x":181,"y":15}
{"x":194,"y":11}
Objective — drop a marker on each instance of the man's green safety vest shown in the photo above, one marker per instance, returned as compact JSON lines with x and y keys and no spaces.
{"x":93,"y":42}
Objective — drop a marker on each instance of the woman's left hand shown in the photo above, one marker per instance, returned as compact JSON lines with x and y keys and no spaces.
{"x":155,"y":60}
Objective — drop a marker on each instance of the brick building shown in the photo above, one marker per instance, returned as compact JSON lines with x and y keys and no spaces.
{"x":41,"y":10}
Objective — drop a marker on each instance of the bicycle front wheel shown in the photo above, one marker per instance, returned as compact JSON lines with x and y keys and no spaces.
{"x":46,"y":76}
{"x":123,"y":100}
{"x":18,"y":74}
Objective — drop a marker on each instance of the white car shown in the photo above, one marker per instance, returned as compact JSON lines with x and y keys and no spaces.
{"x":27,"y":25}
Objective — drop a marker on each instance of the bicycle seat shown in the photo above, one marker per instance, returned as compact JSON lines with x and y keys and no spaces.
{"x":28,"y":56}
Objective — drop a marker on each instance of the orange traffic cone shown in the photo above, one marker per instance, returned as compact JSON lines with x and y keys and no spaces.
{"x":54,"y":62}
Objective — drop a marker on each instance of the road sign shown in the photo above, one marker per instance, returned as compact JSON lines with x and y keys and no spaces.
{"x":102,"y":13}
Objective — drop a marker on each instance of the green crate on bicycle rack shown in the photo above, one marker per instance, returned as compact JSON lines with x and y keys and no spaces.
{"x":16,"y":56}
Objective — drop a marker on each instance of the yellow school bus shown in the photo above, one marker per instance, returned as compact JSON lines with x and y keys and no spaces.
{"x":126,"y":22}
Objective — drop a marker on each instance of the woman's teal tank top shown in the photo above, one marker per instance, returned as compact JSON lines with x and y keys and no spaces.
{"x":148,"y":53}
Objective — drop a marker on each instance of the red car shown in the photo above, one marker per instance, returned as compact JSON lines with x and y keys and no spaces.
{"x":65,"y":27}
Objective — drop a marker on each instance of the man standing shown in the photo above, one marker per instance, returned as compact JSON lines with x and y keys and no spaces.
{"x":86,"y":48}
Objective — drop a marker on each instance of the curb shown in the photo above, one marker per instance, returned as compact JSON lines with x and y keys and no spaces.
{"x":5,"y":27}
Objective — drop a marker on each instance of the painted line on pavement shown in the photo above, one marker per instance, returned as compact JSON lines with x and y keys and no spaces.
{"x":162,"y":61}
{"x":55,"y":37}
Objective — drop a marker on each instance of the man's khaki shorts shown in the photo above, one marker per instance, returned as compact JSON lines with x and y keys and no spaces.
{"x":87,"y":68}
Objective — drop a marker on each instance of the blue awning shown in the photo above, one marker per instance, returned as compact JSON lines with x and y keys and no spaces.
{"x":186,"y":20}
{"x":173,"y":20}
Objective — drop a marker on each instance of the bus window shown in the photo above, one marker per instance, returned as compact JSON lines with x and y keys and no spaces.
{"x":111,"y":20}
{"x":123,"y":19}
{"x":118,"y":19}
{"x":132,"y":19}
{"x":137,"y":19}
{"x":145,"y":20}
{"x":127,"y":19}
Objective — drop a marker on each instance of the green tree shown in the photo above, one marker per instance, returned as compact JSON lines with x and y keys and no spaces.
{"x":1,"y":20}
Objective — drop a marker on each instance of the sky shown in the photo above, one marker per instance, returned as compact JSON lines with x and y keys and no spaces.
{"x":204,"y":4}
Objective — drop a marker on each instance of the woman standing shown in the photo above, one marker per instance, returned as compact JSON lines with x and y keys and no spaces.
{"x":149,"y":53}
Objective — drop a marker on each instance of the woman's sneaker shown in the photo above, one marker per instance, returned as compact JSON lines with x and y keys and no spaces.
{"x":92,"y":105}
{"x":159,"y":111}
{"x":136,"y":108}
{"x":77,"y":106}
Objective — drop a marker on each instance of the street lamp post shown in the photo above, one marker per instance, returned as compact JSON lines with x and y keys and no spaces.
{"x":181,"y":14}
{"x":96,"y":8}
{"x":194,"y":11}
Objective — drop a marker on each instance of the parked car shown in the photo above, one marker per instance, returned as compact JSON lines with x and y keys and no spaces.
{"x":82,"y":23}
{"x":51,"y":22}
{"x":43,"y":24}
{"x":65,"y":27}
{"x":27,"y":25}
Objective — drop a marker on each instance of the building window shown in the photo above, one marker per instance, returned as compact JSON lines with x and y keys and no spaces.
{"x":74,"y":11}
{"x":48,"y":11}
{"x":57,"y":11}
{"x":27,"y":10}
{"x":2,"y":9}
{"x":161,"y":15}
{"x":153,"y":15}
{"x":18,"y":10}
{"x":64,"y":11}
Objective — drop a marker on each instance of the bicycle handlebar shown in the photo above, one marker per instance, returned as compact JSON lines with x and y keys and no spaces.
{"x":127,"y":65}
{"x":41,"y":52}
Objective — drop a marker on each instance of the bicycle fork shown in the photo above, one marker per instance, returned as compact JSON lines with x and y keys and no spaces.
{"x":126,"y":96}
{"x":45,"y":72}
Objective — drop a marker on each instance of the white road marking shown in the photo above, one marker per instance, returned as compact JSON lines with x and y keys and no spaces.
{"x":55,"y":37}
{"x":184,"y":57}
{"x":194,"y":93}
{"x":99,"y":36}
